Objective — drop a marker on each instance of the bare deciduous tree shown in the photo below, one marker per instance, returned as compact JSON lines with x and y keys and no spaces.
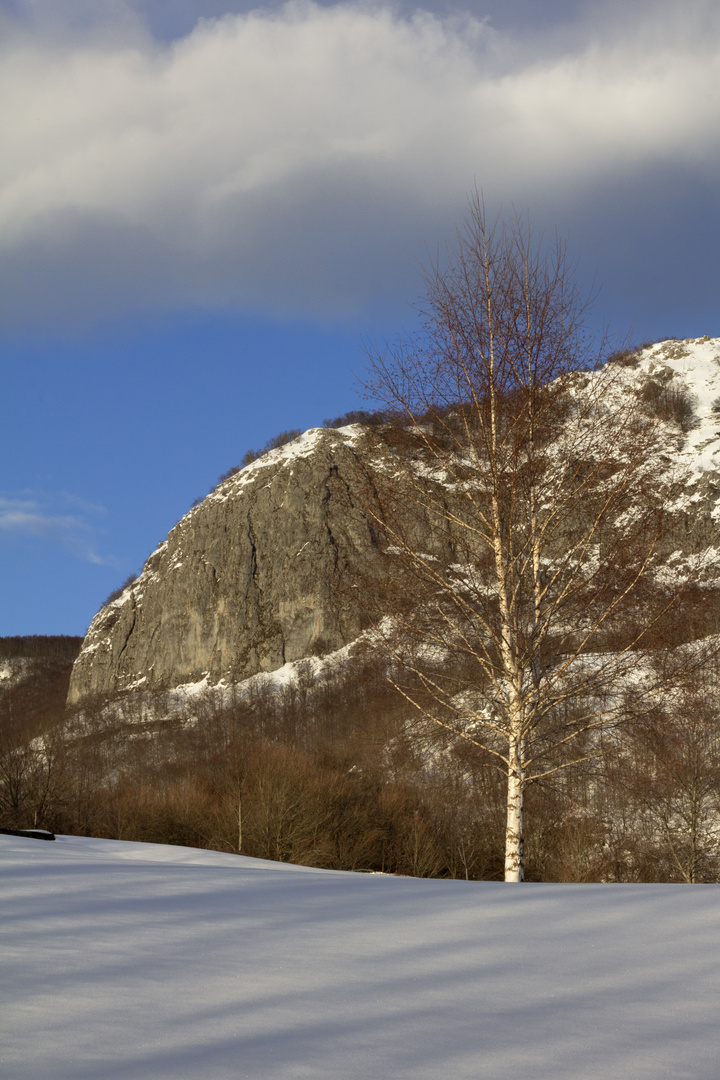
{"x":524,"y":511}
{"x":666,"y":780}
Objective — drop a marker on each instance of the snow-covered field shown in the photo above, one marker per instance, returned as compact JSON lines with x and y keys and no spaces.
{"x":126,"y":961}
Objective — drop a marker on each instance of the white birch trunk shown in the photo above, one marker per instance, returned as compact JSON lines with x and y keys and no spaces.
{"x":514,"y":863}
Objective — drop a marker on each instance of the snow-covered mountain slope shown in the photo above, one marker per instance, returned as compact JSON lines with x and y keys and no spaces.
{"x":155,"y":963}
{"x":695,"y":365}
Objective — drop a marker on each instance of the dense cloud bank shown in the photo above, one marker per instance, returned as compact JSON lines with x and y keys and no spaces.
{"x":300,"y":156}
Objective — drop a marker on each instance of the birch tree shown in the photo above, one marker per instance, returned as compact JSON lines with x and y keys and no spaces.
{"x":523,"y":507}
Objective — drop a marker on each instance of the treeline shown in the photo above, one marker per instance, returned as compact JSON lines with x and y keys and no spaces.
{"x":32,"y":646}
{"x":307,"y":773}
{"x":333,"y":771}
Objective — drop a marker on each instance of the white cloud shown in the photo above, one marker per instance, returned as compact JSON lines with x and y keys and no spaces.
{"x":37,"y":516}
{"x":295,"y":157}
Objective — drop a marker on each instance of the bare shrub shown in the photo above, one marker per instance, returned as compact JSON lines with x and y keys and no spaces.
{"x":366,"y":417}
{"x":35,"y":783}
{"x":117,"y":593}
{"x":670,"y":402}
{"x":627,"y":358}
{"x":252,"y":455}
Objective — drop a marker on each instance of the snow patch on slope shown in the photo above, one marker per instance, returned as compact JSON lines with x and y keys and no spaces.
{"x":696,"y":364}
{"x":304,"y":446}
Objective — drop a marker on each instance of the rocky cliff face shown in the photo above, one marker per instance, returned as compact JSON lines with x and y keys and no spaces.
{"x":246,"y":581}
{"x":269,"y":567}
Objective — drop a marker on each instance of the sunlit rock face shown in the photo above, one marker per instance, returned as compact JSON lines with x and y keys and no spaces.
{"x":247,"y":581}
{"x":274,"y":564}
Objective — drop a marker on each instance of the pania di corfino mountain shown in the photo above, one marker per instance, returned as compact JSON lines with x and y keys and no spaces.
{"x":281,"y":561}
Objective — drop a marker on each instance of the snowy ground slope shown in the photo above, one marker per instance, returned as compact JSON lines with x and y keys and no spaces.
{"x":138,"y":961}
{"x":696,"y":364}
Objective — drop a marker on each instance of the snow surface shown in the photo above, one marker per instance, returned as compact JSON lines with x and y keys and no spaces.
{"x":292,"y":671}
{"x":146,"y":962}
{"x":696,"y":364}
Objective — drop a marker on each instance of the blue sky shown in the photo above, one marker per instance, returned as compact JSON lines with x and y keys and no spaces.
{"x":204,"y":206}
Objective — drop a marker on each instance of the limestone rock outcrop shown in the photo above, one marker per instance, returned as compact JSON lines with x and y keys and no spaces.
{"x":246,"y":581}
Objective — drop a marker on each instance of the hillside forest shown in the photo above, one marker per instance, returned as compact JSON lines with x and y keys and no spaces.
{"x":335,"y":769}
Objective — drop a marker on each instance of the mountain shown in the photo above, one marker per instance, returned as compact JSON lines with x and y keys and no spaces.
{"x":268,"y":569}
{"x":234,"y":695}
{"x":244,"y":582}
